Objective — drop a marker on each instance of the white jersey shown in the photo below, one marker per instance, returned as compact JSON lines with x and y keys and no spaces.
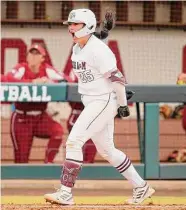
{"x":90,"y":65}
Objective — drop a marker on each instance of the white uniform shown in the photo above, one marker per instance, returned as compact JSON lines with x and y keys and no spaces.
{"x":92,"y":64}
{"x":96,"y":121}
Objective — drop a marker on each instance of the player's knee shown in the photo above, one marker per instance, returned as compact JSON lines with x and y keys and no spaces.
{"x":21,"y":157}
{"x":106,"y":154}
{"x":74,"y":145}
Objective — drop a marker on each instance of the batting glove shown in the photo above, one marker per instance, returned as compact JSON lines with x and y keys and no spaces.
{"x":109,"y":21}
{"x":123,"y":111}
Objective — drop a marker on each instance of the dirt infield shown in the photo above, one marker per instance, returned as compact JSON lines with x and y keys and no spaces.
{"x":93,"y":207}
{"x":96,"y":196}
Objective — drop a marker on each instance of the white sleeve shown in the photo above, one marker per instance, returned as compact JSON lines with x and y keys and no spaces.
{"x":120,"y":91}
{"x":106,"y":60}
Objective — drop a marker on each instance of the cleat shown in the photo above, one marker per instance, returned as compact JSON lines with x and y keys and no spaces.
{"x":140,"y":194}
{"x":61,"y":197}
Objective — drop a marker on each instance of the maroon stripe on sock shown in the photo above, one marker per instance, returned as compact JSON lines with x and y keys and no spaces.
{"x":121,"y":163}
{"x":126,"y":167}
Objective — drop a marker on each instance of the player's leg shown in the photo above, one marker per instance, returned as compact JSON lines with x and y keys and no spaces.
{"x":47,"y":127}
{"x":21,"y":129}
{"x":92,"y":120}
{"x":89,"y":149}
{"x":105,"y":146}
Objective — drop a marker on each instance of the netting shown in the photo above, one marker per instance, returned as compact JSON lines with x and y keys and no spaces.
{"x":148,"y":42}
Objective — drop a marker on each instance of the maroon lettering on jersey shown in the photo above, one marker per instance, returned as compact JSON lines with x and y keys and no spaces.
{"x":83,"y":64}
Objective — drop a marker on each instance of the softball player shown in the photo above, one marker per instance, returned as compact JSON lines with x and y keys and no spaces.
{"x":89,"y":149}
{"x":102,"y":90}
{"x":31,"y":119}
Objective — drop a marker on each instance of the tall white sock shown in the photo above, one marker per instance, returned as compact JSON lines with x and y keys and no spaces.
{"x":129,"y":172}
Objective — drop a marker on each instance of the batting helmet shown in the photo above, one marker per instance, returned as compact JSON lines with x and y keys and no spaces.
{"x":85,"y":16}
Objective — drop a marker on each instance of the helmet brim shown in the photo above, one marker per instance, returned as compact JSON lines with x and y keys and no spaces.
{"x":67,"y":22}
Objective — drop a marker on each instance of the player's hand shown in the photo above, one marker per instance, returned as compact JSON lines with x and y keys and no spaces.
{"x":123,"y":111}
{"x":109,"y":21}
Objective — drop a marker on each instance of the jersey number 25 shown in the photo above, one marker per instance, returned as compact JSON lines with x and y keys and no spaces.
{"x":86,"y":76}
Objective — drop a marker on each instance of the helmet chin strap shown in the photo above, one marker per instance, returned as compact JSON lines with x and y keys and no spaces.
{"x":82,"y":32}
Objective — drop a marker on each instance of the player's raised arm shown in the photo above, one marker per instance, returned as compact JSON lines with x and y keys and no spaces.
{"x":107,"y":25}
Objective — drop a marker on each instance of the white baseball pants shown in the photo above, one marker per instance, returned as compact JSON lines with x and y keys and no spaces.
{"x":96,"y":122}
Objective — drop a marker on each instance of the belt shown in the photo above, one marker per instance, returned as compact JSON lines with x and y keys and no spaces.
{"x":34,"y":113}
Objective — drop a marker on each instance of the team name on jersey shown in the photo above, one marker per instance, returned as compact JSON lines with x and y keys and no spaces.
{"x":79,"y":65}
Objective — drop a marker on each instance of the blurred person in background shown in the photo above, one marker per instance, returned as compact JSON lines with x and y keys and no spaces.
{"x":181,"y":80}
{"x":31,"y":120}
{"x":180,"y":155}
